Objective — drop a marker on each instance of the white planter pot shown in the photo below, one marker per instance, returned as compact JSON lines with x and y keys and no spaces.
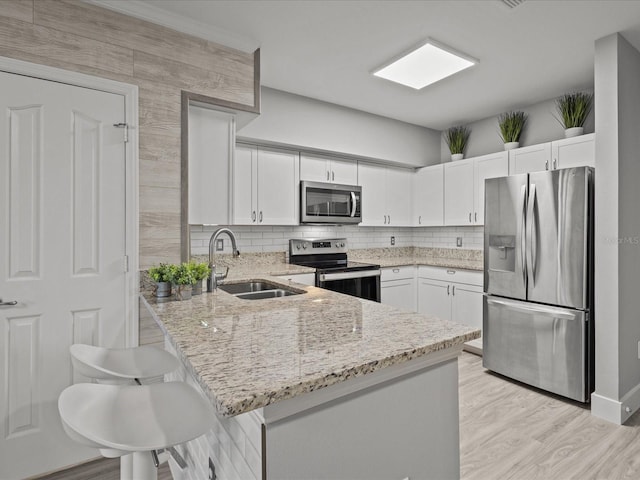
{"x":573,"y":132}
{"x":457,"y":156}
{"x":511,"y":145}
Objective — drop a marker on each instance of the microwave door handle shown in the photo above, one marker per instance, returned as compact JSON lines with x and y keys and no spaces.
{"x":354,"y":203}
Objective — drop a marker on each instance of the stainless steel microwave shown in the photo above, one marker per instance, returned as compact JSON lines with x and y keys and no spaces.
{"x":330,"y":203}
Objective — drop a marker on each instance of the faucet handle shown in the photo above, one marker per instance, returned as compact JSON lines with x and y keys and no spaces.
{"x":222,"y":276}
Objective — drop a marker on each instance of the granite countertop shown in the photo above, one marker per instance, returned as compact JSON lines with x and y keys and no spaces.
{"x":248,"y":354}
{"x":435,"y":257}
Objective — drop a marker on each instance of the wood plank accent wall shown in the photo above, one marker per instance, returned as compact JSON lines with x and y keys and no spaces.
{"x":76,"y":36}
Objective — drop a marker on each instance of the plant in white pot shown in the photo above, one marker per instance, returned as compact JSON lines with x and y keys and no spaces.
{"x":457,"y":138}
{"x":161,"y":275}
{"x":511,"y":125}
{"x":200,"y":271}
{"x":574,"y":108}
{"x":182,"y":279}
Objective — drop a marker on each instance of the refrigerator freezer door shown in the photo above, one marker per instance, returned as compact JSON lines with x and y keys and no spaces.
{"x":536,"y":344}
{"x":557,"y":234}
{"x":504,"y":236}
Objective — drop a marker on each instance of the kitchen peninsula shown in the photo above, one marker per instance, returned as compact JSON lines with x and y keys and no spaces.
{"x":318,"y":385}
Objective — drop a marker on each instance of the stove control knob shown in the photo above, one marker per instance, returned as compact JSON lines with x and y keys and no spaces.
{"x":298,"y":246}
{"x":304,"y":245}
{"x":342,"y":244}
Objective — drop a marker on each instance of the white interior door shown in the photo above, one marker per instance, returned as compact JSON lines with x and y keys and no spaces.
{"x":62,"y":247}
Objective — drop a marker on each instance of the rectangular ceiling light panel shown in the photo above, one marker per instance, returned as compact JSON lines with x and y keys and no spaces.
{"x":425,"y":65}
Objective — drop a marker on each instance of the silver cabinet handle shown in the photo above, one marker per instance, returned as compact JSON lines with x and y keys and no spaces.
{"x":7,"y":304}
{"x":260,"y":216}
{"x":475,"y":217}
{"x":546,"y":164}
{"x":389,"y":219}
{"x":469,"y":217}
{"x":327,"y":175}
{"x":396,"y":270}
{"x":385,"y":219}
{"x":253,"y":216}
{"x":451,"y":272}
{"x":555,"y":163}
{"x":333,"y":176}
{"x":453,"y":291}
{"x":448,"y":288}
{"x":420,"y":220}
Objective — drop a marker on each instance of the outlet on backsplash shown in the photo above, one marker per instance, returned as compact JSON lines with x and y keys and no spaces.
{"x":458,"y":241}
{"x":393,"y":240}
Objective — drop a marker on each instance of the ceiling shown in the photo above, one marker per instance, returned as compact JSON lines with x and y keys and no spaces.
{"x":327,"y":49}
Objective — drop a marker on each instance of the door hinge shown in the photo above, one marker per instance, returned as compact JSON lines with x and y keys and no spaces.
{"x":126,"y":263}
{"x":125,"y":130}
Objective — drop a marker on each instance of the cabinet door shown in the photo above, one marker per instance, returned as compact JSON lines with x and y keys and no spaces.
{"x":574,"y":152}
{"x":428,"y":196}
{"x":278,"y":186}
{"x":344,"y":172}
{"x":398,"y":196}
{"x":245,"y":185}
{"x":487,"y":166}
{"x":399,"y":294}
{"x":434,"y":298}
{"x":466,"y":304}
{"x":372,"y":178}
{"x":314,"y":169}
{"x":530,"y":159}
{"x":458,"y":193}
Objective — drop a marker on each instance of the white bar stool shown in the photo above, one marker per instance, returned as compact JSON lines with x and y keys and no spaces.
{"x":134,"y":419}
{"x":121,"y":365}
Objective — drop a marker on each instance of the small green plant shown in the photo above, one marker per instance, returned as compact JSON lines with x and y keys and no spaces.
{"x":574,"y":108}
{"x":161,"y":273}
{"x":456,"y":138}
{"x":511,"y":125}
{"x":199,"y":270}
{"x":181,"y":274}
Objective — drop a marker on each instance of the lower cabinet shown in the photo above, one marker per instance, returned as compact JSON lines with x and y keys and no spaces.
{"x":398,"y":287}
{"x":452,"y":294}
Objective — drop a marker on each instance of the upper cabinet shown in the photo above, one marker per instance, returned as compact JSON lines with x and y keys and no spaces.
{"x":428,"y":196}
{"x":211,"y":139}
{"x":332,"y":170}
{"x":574,"y":152}
{"x":533,"y":158}
{"x":386,"y":195}
{"x":265,"y":186}
{"x":464,"y":187}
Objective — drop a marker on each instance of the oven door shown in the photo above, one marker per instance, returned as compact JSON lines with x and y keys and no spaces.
{"x":330,"y":203}
{"x":362,"y":283}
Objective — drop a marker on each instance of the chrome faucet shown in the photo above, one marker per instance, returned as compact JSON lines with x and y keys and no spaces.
{"x":214,"y":277}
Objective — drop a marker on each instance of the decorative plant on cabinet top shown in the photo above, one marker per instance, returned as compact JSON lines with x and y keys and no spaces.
{"x":574,"y":109}
{"x":511,"y":125}
{"x":457,"y":138}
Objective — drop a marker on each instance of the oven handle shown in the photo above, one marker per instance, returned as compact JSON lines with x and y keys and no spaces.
{"x":328,"y":277}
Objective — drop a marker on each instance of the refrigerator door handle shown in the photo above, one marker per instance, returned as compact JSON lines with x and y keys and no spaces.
{"x":522,"y":230}
{"x":530,"y":234}
{"x":559,"y":313}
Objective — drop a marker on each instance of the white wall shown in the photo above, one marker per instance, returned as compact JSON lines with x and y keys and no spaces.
{"x":312,"y":125}
{"x":617,"y":235}
{"x":542,"y":126}
{"x":276,"y":239}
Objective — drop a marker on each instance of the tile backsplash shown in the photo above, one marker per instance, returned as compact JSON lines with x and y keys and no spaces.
{"x":276,"y":239}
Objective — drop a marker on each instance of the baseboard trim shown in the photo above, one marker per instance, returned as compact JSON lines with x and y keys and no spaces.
{"x":616,"y":411}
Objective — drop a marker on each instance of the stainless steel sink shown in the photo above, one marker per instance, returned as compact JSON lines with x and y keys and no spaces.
{"x":258,"y":290}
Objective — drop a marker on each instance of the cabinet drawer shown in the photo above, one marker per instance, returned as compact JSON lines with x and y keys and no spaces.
{"x":470,"y":277}
{"x":398,"y":273}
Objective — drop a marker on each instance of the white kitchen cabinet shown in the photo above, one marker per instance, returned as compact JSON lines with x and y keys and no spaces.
{"x":484,"y":167}
{"x":458,"y":193}
{"x":574,"y":152}
{"x":386,"y":195}
{"x":211,"y":139}
{"x":428,"y":196}
{"x":451,"y":294}
{"x":533,"y":158}
{"x":265,"y":186}
{"x":332,"y":170}
{"x":398,"y":287}
{"x":303,"y":278}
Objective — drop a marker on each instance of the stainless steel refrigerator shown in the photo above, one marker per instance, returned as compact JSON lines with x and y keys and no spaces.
{"x":538,"y":269}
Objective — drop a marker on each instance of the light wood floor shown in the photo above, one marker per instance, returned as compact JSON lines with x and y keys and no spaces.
{"x":507,"y":431}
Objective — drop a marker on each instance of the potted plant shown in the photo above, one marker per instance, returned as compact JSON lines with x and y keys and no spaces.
{"x":182,"y":279}
{"x":200,"y":271}
{"x":456,"y":138}
{"x":574,"y":109}
{"x":161,"y":275}
{"x":511,"y":125}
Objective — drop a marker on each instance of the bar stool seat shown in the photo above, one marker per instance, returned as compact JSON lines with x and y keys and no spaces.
{"x":137,"y":419}
{"x":123,"y":364}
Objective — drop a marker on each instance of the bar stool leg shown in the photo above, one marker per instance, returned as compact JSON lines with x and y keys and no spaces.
{"x":143,"y":467}
{"x":126,"y":467}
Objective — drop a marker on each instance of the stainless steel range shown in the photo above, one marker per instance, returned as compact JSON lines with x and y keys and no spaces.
{"x":333,"y":269}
